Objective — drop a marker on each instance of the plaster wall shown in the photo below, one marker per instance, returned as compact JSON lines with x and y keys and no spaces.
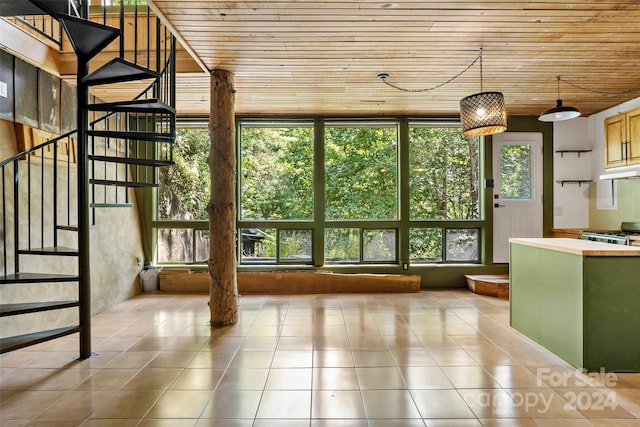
{"x":571,"y":200}
{"x":116,"y":245}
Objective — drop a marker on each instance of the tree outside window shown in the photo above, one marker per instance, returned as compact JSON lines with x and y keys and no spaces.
{"x":443,"y":174}
{"x":361,"y":172}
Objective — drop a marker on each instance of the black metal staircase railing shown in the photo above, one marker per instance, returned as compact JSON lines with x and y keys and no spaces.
{"x":39,"y":17}
{"x":49,"y":191}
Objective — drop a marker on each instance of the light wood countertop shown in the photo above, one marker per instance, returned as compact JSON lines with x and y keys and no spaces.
{"x":579,"y":247}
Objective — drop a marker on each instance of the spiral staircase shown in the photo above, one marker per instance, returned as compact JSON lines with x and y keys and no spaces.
{"x":50,"y":192}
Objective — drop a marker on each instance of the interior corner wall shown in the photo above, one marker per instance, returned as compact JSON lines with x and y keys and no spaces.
{"x":116,"y":256}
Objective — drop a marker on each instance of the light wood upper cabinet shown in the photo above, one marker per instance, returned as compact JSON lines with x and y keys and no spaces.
{"x":633,"y":137}
{"x":622,"y":139}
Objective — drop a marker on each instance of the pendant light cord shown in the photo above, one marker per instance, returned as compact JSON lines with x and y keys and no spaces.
{"x":480,"y":56}
{"x":383,"y":77}
{"x":593,"y":90}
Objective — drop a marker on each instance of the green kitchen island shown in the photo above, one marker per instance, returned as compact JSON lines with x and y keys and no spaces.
{"x":579,"y":299}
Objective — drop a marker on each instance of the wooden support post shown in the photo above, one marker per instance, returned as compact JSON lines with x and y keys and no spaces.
{"x":223,"y":284}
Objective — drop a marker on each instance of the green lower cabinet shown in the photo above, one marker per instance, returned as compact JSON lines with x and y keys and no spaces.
{"x":585,"y":309}
{"x":612,"y":314}
{"x":525,"y":300}
{"x":561,"y":327}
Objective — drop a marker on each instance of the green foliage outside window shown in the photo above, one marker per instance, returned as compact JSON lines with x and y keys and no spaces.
{"x":342,"y":244}
{"x":379,"y":245}
{"x":425,"y":244}
{"x":295,"y":245}
{"x":184,"y":188}
{"x":443,"y":174}
{"x":515,"y":171}
{"x":276,"y":182}
{"x":361,"y":172}
{"x":276,"y":172}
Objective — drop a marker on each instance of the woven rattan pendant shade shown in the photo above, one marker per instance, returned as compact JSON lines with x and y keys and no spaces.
{"x":483,"y":113}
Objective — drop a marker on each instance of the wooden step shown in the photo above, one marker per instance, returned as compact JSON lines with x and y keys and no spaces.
{"x":490,"y":285}
{"x":20,"y":341}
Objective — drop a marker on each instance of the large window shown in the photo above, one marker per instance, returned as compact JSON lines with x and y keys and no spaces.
{"x":332,"y":193}
{"x":443,"y":174}
{"x":183,"y":189}
{"x":183,"y":195}
{"x":354,"y":245}
{"x":276,"y":165}
{"x":443,"y":185}
{"x":361,"y":171}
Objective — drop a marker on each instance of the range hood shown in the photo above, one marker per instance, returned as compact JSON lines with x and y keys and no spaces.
{"x":634,"y":173}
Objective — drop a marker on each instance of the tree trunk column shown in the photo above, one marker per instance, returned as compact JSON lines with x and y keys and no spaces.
{"x":223,"y":285}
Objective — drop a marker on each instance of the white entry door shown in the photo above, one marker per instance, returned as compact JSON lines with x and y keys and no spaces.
{"x":517,"y":193}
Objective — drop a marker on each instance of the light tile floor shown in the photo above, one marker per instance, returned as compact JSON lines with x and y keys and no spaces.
{"x":440,"y":358}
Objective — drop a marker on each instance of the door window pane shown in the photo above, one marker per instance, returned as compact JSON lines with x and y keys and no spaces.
{"x":379,"y":245}
{"x":342,"y":245}
{"x":276,"y":172}
{"x":425,"y":245}
{"x":462,"y":245}
{"x":443,"y":174}
{"x":361,"y":172}
{"x":515,"y":172}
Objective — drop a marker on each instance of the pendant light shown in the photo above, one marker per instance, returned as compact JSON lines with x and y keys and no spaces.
{"x":483,"y":113}
{"x":559,"y":112}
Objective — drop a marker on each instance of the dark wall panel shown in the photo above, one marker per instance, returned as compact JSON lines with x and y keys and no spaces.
{"x":26,"y":93}
{"x":68,"y":108}
{"x":49,"y":98}
{"x":6,"y":81}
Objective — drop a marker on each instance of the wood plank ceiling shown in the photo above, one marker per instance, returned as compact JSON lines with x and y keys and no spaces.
{"x":309,"y":57}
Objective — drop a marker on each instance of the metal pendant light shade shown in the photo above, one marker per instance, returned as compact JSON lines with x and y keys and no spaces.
{"x":559,"y":112}
{"x":483,"y":113}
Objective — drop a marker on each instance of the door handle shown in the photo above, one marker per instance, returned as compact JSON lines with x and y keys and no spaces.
{"x":498,"y":205}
